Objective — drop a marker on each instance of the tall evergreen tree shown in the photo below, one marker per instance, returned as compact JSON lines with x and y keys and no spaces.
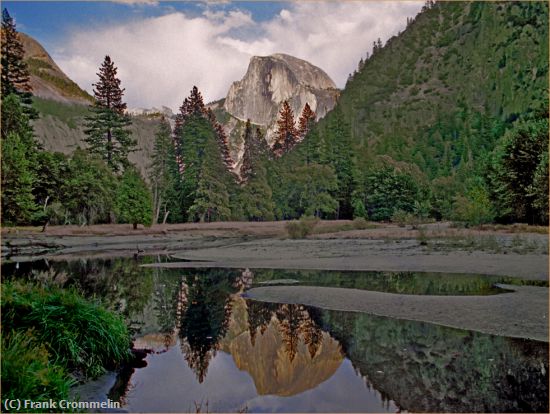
{"x":305,"y":122}
{"x":256,"y":193}
{"x":194,"y":106}
{"x":210,"y":199}
{"x":204,"y":174}
{"x":159,"y":171}
{"x":221,"y":136}
{"x":18,"y":206}
{"x":107,"y":133}
{"x":15,"y":74}
{"x":246,"y":165}
{"x":19,"y":153}
{"x":340,"y":157}
{"x":286,"y":135}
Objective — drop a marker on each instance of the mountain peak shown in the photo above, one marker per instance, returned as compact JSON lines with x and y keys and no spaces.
{"x":46,"y":78}
{"x":270,"y":80}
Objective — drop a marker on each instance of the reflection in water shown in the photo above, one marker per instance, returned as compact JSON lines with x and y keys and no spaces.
{"x":294,"y":321}
{"x":412,"y":283}
{"x":202,"y":315}
{"x":432,"y":368}
{"x":208,"y":343}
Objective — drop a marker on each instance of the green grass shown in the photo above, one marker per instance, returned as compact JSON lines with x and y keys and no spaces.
{"x":27,"y":372}
{"x":79,"y":334}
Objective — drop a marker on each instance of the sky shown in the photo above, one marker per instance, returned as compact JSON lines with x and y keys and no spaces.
{"x":162,"y":49}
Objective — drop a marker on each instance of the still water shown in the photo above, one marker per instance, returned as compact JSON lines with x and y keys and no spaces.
{"x":212,"y":349}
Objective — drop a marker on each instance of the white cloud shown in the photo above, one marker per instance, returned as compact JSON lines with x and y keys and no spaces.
{"x":161,"y":58}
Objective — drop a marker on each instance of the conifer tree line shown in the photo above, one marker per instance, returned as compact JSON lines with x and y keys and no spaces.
{"x":312,"y":168}
{"x":93,"y":185}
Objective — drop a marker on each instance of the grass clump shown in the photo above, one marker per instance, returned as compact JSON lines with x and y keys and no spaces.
{"x":27,"y":372}
{"x":299,"y":229}
{"x":79,"y":336}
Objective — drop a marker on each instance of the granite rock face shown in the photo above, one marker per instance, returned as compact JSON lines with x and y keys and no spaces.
{"x":269,"y":81}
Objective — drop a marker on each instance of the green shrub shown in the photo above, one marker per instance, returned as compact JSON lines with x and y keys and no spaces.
{"x":299,"y":229}
{"x":360,"y":223}
{"x":403,"y":218}
{"x":79,"y":335}
{"x":27,"y":372}
{"x":475,"y":208}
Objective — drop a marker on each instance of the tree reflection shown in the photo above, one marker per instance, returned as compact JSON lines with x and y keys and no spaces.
{"x":203,"y":314}
{"x":259,"y":317}
{"x":295,"y":323}
{"x":431,"y":368}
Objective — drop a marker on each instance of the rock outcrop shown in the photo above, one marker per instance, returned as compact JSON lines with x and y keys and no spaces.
{"x":269,"y":81}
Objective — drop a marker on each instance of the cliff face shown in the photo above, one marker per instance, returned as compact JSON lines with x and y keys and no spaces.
{"x":269,"y":81}
{"x":47,"y":80}
{"x":60,"y":128}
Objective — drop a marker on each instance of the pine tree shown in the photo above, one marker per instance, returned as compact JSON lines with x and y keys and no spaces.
{"x":16,"y":120}
{"x":196,"y":129}
{"x":514,"y":166}
{"x":133,"y":199}
{"x":223,"y":142}
{"x":194,"y":106}
{"x":15,"y":74}
{"x":18,"y":206}
{"x":107,"y":131}
{"x":286,"y":136}
{"x":340,"y":156}
{"x":204,"y":172}
{"x":246,"y":166}
{"x":305,"y":122}
{"x":159,"y":171}
{"x":210,"y":199}
{"x":256,"y":193}
{"x":19,"y":153}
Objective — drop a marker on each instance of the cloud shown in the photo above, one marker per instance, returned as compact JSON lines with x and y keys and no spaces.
{"x":161,"y":58}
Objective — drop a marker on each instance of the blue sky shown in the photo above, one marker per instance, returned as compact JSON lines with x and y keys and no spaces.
{"x":50,"y":21}
{"x":162,"y":49}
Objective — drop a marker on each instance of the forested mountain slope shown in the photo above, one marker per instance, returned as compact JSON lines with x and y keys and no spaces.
{"x":436,"y":114}
{"x":435,"y":94}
